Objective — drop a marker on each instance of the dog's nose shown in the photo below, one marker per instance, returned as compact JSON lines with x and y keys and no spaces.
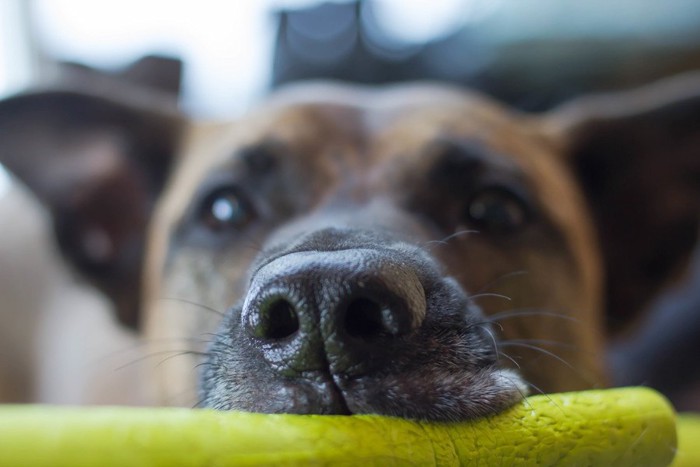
{"x":334,"y":310}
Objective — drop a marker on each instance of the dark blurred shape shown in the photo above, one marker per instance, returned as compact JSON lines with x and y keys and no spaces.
{"x":151,"y":73}
{"x":344,"y":41}
{"x":674,"y":326}
{"x":323,"y":36}
{"x":156,"y":72}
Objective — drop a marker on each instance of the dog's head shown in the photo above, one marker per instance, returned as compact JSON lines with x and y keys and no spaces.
{"x":387,"y":251}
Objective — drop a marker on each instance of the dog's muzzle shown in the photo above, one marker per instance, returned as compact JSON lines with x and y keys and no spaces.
{"x":342,"y":321}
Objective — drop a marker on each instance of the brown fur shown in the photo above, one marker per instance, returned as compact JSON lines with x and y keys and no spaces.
{"x":553,"y":290}
{"x":373,"y":139}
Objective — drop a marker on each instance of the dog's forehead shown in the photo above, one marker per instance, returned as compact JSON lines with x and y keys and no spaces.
{"x":355,"y":95}
{"x":380,"y":120}
{"x":374,"y":111}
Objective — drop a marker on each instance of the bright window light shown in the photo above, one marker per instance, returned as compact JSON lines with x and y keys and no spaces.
{"x":226,"y":45}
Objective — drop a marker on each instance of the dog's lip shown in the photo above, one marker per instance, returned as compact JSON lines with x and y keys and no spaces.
{"x":339,"y":399}
{"x":320,"y":394}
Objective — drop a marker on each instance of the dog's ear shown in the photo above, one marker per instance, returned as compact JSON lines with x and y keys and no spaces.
{"x":637,"y":157}
{"x":152,"y":73}
{"x":98,"y":165}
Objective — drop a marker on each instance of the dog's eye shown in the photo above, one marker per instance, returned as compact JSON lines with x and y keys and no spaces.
{"x":225,"y":208}
{"x":498,"y":210}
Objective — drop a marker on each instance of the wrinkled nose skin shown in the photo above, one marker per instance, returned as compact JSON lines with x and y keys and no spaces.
{"x":341,"y":321}
{"x":336,"y":310}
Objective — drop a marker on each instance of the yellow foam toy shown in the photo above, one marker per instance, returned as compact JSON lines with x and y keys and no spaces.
{"x":688,"y":454}
{"x":616,"y":427}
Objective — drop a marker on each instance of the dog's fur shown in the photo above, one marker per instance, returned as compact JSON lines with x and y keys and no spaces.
{"x":482,"y":239}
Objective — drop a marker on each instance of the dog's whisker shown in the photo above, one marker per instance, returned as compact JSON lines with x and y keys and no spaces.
{"x":490,"y":294}
{"x":252,"y":243}
{"x":139,"y":346}
{"x":503,"y":277}
{"x":190,"y":302}
{"x":201,"y":354}
{"x":565,"y":345}
{"x":220,"y":342}
{"x":530,"y":312}
{"x":499,"y":353}
{"x":485,"y":323}
{"x":174,"y":398}
{"x":493,"y":338}
{"x":543,"y":393}
{"x":517,"y":388}
{"x":198,"y":404}
{"x":446,"y":240}
{"x":201,"y":364}
{"x":503,"y":354}
{"x":544,"y":351}
{"x":155,"y":341}
{"x":639,"y":438}
{"x":182,"y":398}
{"x":214,"y":335}
{"x":539,"y":391}
{"x":159,"y":353}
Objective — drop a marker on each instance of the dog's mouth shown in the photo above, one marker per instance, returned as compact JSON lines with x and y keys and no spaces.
{"x":357,"y":331}
{"x":417,"y":386}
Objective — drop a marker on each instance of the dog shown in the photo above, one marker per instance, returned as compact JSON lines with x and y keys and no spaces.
{"x":414,"y":250}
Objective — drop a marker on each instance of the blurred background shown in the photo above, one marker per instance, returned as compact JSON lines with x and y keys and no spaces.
{"x":225,"y":55}
{"x":530,"y":54}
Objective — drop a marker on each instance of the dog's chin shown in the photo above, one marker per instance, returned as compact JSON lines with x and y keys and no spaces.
{"x":420,"y":396}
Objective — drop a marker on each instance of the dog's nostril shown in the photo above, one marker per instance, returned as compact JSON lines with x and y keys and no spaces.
{"x":366,"y":318}
{"x":278,"y":320}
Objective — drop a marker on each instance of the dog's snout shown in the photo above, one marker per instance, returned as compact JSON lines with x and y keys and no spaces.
{"x":332,"y":311}
{"x":345,"y":321}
